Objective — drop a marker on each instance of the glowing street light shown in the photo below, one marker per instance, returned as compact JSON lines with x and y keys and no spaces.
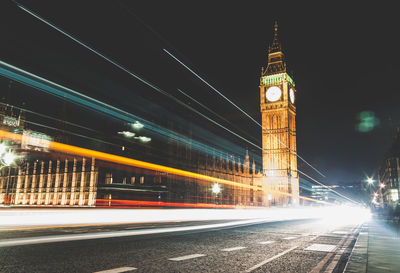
{"x":137,"y":125}
{"x":216,"y":188}
{"x":382,"y":186}
{"x":144,"y":139}
{"x":370,"y":180}
{"x":7,"y":159}
{"x":127,"y":134}
{"x":3,"y":148}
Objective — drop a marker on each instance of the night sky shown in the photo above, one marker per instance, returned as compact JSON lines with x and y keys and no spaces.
{"x":345,"y":59}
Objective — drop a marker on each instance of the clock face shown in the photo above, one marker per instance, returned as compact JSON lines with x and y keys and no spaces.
{"x":291,"y":95}
{"x":273,"y":93}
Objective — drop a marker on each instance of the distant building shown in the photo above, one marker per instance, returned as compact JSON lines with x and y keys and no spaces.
{"x":55,"y":179}
{"x":389,"y":173}
{"x":321,"y":192}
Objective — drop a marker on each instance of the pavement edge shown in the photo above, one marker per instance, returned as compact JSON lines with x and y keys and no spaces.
{"x":358,"y":260}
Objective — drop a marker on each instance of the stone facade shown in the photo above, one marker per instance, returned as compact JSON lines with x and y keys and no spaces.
{"x":278,"y":114}
{"x":388,"y":187}
{"x":50,"y":183}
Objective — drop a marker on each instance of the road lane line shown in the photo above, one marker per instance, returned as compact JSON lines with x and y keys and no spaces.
{"x":322,"y":263}
{"x":325,"y":260}
{"x":117,"y":270}
{"x":320,"y":247}
{"x":233,"y":248}
{"x":266,"y":242}
{"x":336,"y":258}
{"x":270,"y":259}
{"x":187,"y":257}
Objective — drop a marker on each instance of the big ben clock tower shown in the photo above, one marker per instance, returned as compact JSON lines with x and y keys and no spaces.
{"x":278,"y":114}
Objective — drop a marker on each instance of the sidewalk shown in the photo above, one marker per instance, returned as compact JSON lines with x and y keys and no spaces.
{"x":377,"y":249}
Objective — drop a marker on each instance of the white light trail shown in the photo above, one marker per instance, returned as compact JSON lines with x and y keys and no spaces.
{"x":213,"y":88}
{"x":165,"y":93}
{"x":123,"y":68}
{"x":211,"y":111}
{"x":240,"y":109}
{"x":21,"y":219}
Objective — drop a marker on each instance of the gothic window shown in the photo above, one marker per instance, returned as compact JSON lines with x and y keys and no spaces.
{"x":109,"y":178}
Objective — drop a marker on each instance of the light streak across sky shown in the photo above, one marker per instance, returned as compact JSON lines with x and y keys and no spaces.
{"x":210,"y":110}
{"x":136,"y":76}
{"x":237,"y":107}
{"x":198,"y":146}
{"x":66,"y":93}
{"x":213,"y":88}
{"x":74,"y":150}
{"x":69,"y":149}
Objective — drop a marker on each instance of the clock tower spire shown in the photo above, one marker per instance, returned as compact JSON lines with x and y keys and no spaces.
{"x":276,"y":57}
{"x":278,"y":114}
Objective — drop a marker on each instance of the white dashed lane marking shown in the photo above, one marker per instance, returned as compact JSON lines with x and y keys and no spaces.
{"x":266,"y":242}
{"x":233,"y":248}
{"x":321,"y":247}
{"x":270,"y":259}
{"x":117,"y":270}
{"x":187,"y":257}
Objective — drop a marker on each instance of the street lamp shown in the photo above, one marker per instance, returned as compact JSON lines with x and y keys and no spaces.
{"x":3,"y":148}
{"x":127,"y":134}
{"x":137,"y":125}
{"x":216,"y":188}
{"x":370,"y":180}
{"x":144,"y":139}
{"x":6,"y":157}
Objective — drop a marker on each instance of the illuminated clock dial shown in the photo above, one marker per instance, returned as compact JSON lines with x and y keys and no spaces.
{"x":291,"y":95}
{"x":273,"y":93}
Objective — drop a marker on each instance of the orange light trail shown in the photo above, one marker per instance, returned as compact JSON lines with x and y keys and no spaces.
{"x":69,"y":149}
{"x":118,"y":203}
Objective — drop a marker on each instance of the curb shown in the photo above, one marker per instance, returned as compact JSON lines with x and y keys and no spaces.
{"x":358,"y":260}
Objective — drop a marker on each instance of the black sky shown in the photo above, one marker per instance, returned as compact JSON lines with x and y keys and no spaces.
{"x":344,"y":58}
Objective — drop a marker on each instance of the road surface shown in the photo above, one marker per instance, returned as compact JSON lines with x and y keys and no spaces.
{"x":284,"y":246}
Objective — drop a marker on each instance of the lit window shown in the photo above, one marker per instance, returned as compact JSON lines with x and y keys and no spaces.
{"x":109,"y":178}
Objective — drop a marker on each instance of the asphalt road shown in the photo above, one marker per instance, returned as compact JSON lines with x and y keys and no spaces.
{"x":285,"y":246}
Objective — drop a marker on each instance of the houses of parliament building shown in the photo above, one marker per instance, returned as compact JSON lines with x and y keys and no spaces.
{"x":45,"y":178}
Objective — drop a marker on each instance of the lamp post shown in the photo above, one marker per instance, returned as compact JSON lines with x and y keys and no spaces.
{"x":216,"y":189}
{"x":370,"y":184}
{"x":7,"y":158}
{"x":376,"y":194}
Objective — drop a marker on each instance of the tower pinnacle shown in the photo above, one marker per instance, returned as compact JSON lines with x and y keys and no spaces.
{"x":275,"y":46}
{"x":276,"y":58}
